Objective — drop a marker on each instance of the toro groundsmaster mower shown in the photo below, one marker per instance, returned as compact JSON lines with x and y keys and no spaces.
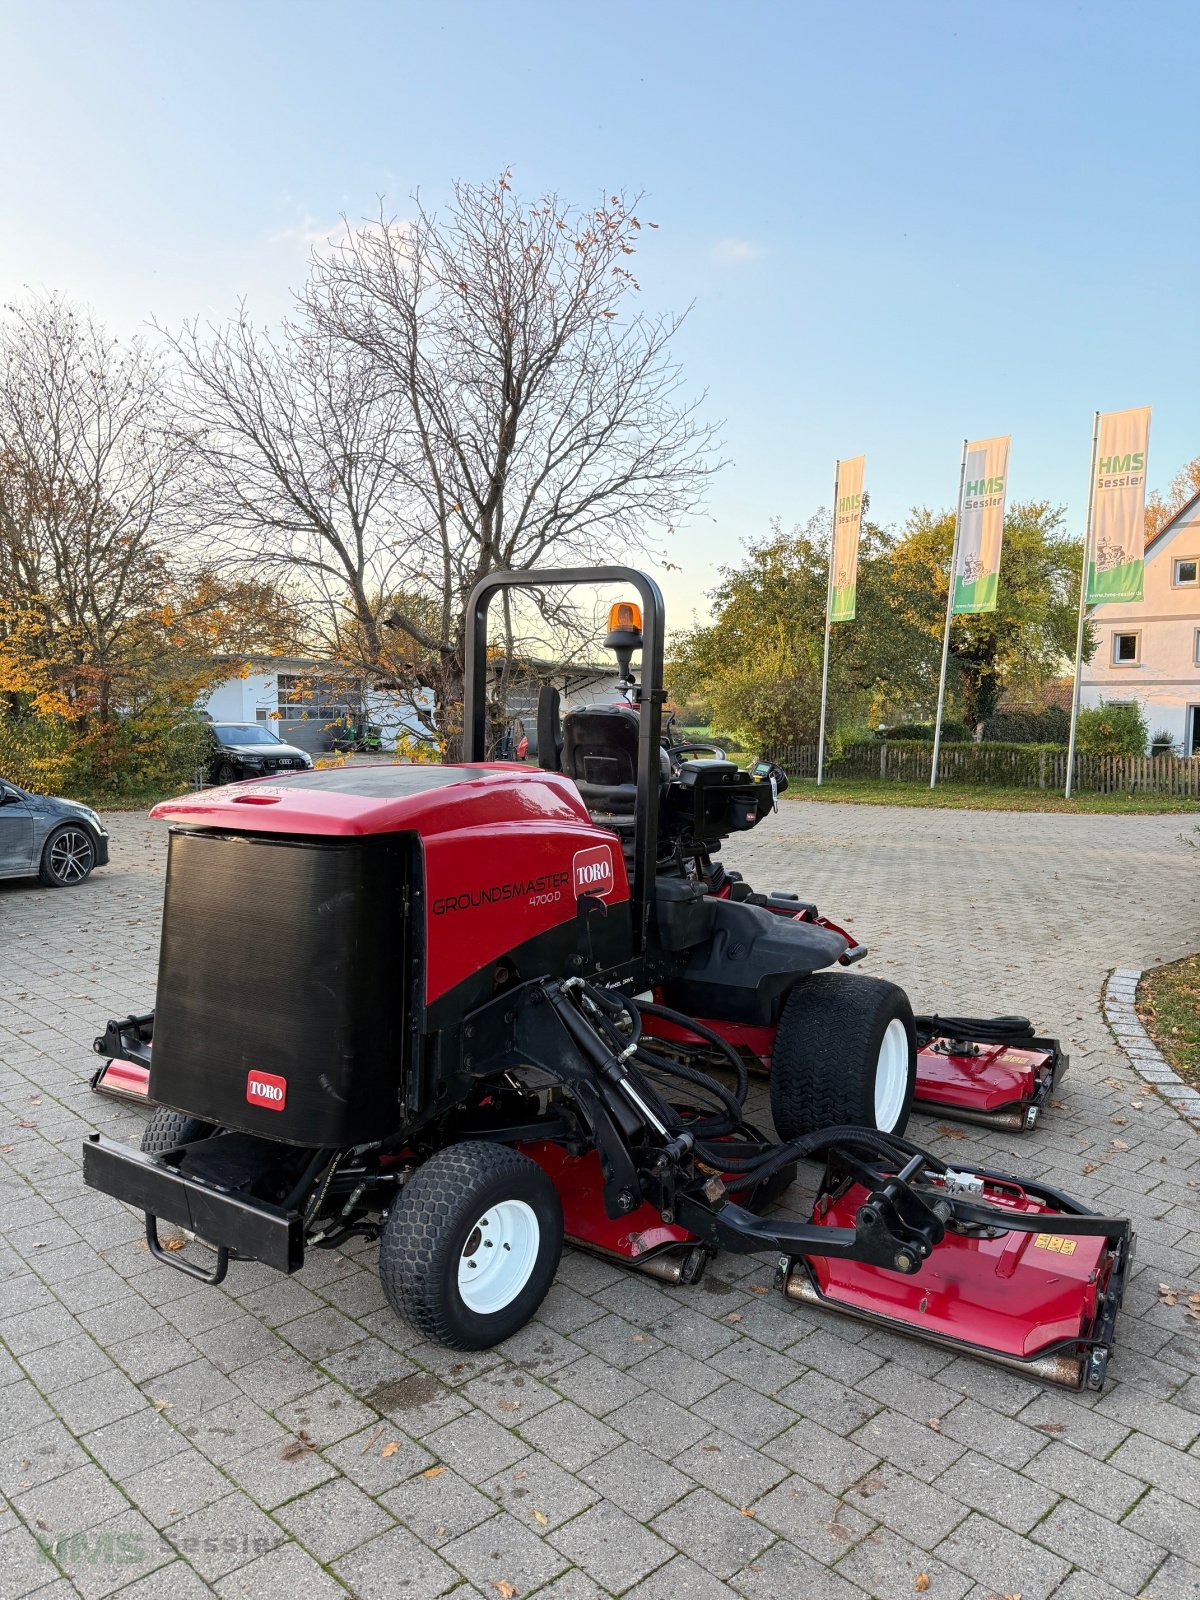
{"x":470,"y":1009}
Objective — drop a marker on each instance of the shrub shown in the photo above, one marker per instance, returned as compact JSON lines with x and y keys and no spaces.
{"x":1113,"y":728}
{"x":1162,"y":742}
{"x":952,"y":732}
{"x":1050,"y":725}
{"x":155,"y":751}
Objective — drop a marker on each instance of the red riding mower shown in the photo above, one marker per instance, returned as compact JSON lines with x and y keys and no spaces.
{"x":467,"y":1009}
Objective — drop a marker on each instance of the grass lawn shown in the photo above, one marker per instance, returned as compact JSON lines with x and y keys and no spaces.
{"x":1169,"y":1006}
{"x":981,"y":797}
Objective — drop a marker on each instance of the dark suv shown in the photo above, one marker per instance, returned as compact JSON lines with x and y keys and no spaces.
{"x":250,"y":750}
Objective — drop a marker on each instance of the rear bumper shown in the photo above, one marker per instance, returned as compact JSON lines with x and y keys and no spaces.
{"x":247,"y":1228}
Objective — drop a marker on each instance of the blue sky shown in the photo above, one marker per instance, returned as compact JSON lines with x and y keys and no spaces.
{"x":900,"y":223}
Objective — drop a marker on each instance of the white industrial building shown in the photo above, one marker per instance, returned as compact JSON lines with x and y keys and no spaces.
{"x":299,"y":698}
{"x":1150,"y":652}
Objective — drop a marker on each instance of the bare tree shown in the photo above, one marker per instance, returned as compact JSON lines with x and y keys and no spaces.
{"x":454,"y":395}
{"x":90,"y":476}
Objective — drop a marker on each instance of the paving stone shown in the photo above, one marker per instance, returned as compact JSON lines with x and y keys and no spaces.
{"x":616,"y":1342}
{"x":227,"y":1534}
{"x":751,"y":1363}
{"x":914,"y":1446}
{"x":175,"y":1581}
{"x":539,"y":1493}
{"x":1116,"y":1554}
{"x":177,"y":1487}
{"x":281,"y":1575}
{"x":1156,"y":1463}
{"x":785,"y":1570}
{"x":569,"y":1435}
{"x":95,"y":1401}
{"x":834,"y":1405}
{"x":439,"y":1507}
{"x":333,"y":1519}
{"x":680,"y":1577}
{"x":713,"y":1533}
{"x":191,"y":1391}
{"x":509,"y":1395}
{"x":658,"y":1424}
{"x":745,"y":1413}
{"x":34,"y":1455}
{"x":679,"y":1377}
{"x":636,"y":1480}
{"x":1167,"y":1523}
{"x":806,"y":1516}
{"x":503,"y":1550}
{"x":1010,"y":1442}
{"x":1082,"y":1426}
{"x":822,"y":1457}
{"x":611,"y":1547}
{"x":888,"y":1566}
{"x":270,"y":1475}
{"x":476,"y":1446}
{"x":1002,"y":1560}
{"x":233,"y":1430}
{"x":885,"y":1494}
{"x":56,"y":1366}
{"x":730,"y":1468}
{"x":362,"y":1458}
{"x":71,"y":1503}
{"x":395,"y":1566}
{"x":112,"y":1554}
{"x":1174,"y":1580}
{"x":596,"y":1387}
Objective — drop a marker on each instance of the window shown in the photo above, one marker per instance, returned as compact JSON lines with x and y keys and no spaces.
{"x":1186,"y":572}
{"x":1196,"y":648}
{"x":1127,"y":649}
{"x":301,"y":697}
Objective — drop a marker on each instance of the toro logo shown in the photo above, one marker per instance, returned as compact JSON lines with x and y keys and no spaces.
{"x":592,"y":871}
{"x":265,"y":1089}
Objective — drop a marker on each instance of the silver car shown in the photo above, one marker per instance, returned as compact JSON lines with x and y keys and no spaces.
{"x":58,"y":841}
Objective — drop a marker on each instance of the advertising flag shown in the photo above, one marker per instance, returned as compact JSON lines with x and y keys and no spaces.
{"x":981,"y":527}
{"x":847,"y":524}
{"x":1118,"y":553}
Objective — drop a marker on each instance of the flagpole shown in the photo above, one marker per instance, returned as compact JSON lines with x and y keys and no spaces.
{"x":1083,"y":583}
{"x":937,"y":727}
{"x":828,"y":609}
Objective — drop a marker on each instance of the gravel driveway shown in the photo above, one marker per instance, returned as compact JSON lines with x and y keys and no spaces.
{"x":284,"y":1437}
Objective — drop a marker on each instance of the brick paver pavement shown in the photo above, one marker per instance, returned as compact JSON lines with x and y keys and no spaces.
{"x":633,"y":1439}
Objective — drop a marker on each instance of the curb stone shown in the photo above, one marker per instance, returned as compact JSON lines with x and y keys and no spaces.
{"x":1144,"y":1056}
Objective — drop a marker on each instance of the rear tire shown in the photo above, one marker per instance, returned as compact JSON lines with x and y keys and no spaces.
{"x":471,"y":1245}
{"x":845,"y":1053}
{"x":168,"y":1128}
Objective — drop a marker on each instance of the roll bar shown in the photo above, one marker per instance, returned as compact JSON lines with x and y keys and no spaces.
{"x":651,"y":695}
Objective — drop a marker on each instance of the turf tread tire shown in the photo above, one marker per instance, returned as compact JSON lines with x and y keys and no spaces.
{"x":826,"y":1049}
{"x":168,"y":1128}
{"x":428,"y":1224}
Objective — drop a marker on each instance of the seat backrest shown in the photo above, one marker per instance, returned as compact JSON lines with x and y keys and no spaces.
{"x":600,"y":746}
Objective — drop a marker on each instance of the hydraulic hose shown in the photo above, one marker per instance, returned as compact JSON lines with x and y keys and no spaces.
{"x":983,"y":1030}
{"x":593,"y":1024}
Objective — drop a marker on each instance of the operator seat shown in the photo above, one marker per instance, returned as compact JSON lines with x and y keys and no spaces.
{"x":600,"y":753}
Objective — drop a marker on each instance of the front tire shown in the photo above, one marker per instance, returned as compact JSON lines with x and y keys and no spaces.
{"x":227,"y":773}
{"x":845,"y":1053}
{"x":167,"y":1128}
{"x":471,"y":1245}
{"x":68,"y":856}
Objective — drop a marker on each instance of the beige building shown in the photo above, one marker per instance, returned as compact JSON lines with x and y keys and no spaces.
{"x":1150,"y":652}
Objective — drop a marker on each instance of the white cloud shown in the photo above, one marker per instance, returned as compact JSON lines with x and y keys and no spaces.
{"x":737,"y":250}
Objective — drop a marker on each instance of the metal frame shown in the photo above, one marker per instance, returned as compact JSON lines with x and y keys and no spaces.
{"x":651,"y":695}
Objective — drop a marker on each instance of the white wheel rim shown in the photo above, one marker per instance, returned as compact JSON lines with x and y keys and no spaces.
{"x":891,"y":1076}
{"x":499,"y":1257}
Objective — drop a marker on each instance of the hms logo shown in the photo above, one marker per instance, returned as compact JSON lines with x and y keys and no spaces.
{"x":265,"y":1089}
{"x":592,"y":871}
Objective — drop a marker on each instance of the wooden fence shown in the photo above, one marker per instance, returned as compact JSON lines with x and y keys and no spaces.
{"x":1004,"y":765}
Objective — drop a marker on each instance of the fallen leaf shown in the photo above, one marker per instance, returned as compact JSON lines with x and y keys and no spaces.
{"x":747,"y":1511}
{"x":161,"y":1405}
{"x":922,"y":1582}
{"x":371,"y":1440}
{"x":541,"y":1519}
{"x":296,"y":1450}
{"x":505,"y":1589}
{"x":433,"y":1472}
{"x":936,"y":1424}
{"x":174,"y":1243}
{"x":1136,"y":1105}
{"x":1088,"y":1166}
{"x":948,"y":1132}
{"x":508,"y":1405}
{"x":641,"y":1338}
{"x":390,"y":1448}
{"x":759,"y":1288}
{"x":734,"y":1316}
{"x":710,"y":1449}
{"x":1051,"y":1427}
{"x":1119,"y":1144}
{"x":442,"y":1530}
